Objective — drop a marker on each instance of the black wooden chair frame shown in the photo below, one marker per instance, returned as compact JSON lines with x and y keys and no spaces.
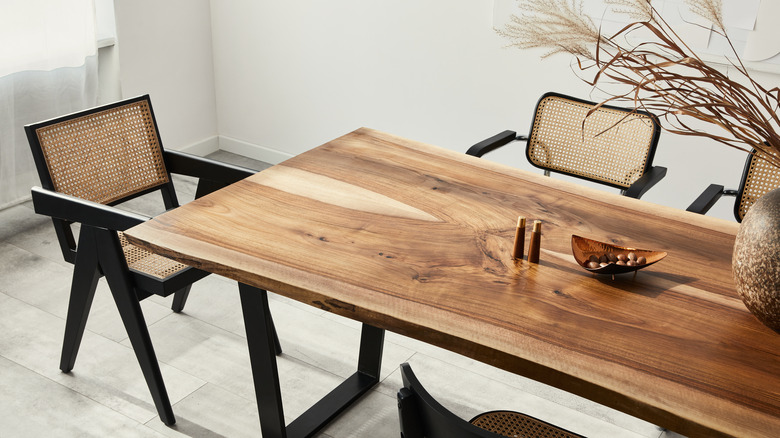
{"x":420,"y":414}
{"x":99,"y":251}
{"x":712,"y":194}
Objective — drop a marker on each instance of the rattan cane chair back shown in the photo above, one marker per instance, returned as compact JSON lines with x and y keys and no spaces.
{"x":421,"y":416}
{"x":759,"y":177}
{"x":108,"y":157}
{"x":105,"y":156}
{"x":605,"y":144}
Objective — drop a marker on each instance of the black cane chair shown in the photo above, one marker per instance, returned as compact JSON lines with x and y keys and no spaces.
{"x":422,"y":416}
{"x":604,"y":144}
{"x":88,"y":163}
{"x":759,"y":177}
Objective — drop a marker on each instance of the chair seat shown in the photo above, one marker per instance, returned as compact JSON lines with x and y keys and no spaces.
{"x":141,"y":260}
{"x":514,"y":424}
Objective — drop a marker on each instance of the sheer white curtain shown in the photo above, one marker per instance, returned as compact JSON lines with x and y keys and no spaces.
{"x":48,"y":67}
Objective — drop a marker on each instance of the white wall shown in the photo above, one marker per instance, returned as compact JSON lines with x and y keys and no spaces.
{"x":165,"y":51}
{"x":291,"y":75}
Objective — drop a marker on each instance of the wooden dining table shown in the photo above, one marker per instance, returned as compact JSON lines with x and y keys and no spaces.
{"x":417,"y":239}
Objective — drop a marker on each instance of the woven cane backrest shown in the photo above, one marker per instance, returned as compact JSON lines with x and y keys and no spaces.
{"x":104,"y":156}
{"x":760,"y":177}
{"x":613,"y":146}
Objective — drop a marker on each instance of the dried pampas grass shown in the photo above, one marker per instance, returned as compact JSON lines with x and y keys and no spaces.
{"x":661,"y":74}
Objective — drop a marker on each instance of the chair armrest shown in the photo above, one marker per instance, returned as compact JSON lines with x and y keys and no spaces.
{"x":73,"y":209}
{"x":212,"y":175}
{"x":191,"y":165}
{"x":492,"y":143}
{"x":646,"y":181}
{"x":707,"y":199}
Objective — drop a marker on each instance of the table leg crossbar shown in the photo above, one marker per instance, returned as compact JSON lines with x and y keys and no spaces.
{"x":262,"y":355}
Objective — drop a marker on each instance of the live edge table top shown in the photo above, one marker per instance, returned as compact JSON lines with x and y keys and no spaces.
{"x":417,"y":239}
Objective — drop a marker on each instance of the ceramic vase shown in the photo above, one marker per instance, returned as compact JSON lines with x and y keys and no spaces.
{"x":756,"y":260}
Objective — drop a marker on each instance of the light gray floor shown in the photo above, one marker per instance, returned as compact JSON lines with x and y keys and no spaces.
{"x":204,"y":359}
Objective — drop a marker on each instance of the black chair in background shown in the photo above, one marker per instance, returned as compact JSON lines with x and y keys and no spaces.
{"x":759,"y":177}
{"x":604,"y":144}
{"x":88,"y":163}
{"x":422,"y":416}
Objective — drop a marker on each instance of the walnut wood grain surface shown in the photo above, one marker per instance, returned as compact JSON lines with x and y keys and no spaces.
{"x":417,"y":239}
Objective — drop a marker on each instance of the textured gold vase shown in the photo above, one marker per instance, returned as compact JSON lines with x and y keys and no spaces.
{"x":756,"y":260}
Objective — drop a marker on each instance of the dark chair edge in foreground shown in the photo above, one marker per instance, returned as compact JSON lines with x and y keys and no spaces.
{"x":420,"y":415}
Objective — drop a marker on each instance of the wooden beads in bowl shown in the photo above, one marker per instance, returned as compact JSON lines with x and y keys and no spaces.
{"x":606,"y":258}
{"x":620,"y":259}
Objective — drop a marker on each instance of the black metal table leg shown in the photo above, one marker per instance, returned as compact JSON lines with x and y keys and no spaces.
{"x":372,"y":341}
{"x":349,"y":391}
{"x":262,"y":356}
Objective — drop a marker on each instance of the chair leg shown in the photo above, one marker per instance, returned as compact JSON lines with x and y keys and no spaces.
{"x":116,"y":272}
{"x":82,"y":291}
{"x":180,"y":298}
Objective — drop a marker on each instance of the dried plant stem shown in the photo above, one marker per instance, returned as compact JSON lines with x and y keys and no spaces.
{"x":662,"y":74}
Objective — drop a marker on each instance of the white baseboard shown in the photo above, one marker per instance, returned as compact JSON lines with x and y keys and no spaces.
{"x":256,"y":152}
{"x":203,"y":147}
{"x":213,"y":144}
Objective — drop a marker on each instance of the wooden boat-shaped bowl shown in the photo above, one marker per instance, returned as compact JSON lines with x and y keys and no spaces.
{"x":583,"y":248}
